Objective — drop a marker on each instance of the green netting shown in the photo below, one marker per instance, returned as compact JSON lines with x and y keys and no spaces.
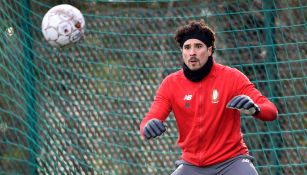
{"x":77,"y":110}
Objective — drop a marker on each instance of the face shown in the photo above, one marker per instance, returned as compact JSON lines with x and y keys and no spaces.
{"x":195,"y":53}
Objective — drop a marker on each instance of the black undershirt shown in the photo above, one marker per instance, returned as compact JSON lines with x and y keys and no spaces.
{"x":198,"y":75}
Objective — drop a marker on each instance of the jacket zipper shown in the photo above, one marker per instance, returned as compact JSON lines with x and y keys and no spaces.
{"x":199,"y":122}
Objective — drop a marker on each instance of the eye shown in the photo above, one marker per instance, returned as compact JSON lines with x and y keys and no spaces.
{"x":186,"y":47}
{"x":199,"y":46}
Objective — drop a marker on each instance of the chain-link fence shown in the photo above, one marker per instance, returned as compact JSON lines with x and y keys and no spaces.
{"x":77,"y":110}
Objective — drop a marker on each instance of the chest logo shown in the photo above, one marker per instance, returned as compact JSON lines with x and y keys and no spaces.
{"x":215,"y":96}
{"x":187,"y":97}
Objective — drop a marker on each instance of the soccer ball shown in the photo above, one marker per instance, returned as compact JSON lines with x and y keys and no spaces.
{"x":63,"y":25}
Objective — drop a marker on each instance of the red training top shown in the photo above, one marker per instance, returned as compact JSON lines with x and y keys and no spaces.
{"x":209,"y":133}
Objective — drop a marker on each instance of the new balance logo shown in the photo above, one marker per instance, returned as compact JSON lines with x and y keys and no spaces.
{"x":187,"y":97}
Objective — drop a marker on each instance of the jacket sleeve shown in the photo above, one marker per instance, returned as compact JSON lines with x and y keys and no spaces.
{"x":268,"y":110}
{"x":160,"y":107}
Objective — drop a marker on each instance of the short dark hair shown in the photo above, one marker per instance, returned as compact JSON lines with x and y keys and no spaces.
{"x":196,"y":28}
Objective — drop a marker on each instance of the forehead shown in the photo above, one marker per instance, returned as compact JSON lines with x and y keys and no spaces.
{"x":193,"y":41}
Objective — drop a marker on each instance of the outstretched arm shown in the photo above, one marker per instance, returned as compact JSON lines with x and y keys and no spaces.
{"x":152,"y":124}
{"x":250,"y":101}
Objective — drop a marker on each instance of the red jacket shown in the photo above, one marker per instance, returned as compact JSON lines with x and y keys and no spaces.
{"x":209,"y":133}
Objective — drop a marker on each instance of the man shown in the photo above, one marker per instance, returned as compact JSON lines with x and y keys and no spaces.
{"x":207,"y":99}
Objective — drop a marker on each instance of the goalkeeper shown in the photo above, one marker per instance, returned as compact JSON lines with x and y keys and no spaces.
{"x":207,"y":100}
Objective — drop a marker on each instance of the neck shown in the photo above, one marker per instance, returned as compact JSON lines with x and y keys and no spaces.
{"x":198,"y":75}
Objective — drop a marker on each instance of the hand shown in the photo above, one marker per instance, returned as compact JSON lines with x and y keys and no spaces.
{"x":153,"y":128}
{"x":244,"y":104}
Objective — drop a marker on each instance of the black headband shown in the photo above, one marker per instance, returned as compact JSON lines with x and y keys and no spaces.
{"x":198,"y":36}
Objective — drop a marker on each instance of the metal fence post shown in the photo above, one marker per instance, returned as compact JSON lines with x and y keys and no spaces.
{"x":29,"y":78}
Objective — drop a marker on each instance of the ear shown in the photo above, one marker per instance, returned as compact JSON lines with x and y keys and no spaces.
{"x":210,"y":50}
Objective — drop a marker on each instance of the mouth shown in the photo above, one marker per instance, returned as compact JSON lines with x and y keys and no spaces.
{"x":193,"y":63}
{"x":193,"y":60}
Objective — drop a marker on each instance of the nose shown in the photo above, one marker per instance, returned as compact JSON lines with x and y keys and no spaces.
{"x":192,"y":51}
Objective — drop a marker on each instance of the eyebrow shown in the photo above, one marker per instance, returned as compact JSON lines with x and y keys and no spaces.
{"x":194,"y":44}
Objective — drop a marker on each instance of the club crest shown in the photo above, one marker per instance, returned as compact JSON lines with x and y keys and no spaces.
{"x":215,"y":96}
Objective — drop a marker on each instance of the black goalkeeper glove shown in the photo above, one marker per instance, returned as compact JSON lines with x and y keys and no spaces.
{"x":244,"y":104}
{"x":153,"y":128}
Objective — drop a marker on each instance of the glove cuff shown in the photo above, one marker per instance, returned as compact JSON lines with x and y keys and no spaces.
{"x":257,"y":109}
